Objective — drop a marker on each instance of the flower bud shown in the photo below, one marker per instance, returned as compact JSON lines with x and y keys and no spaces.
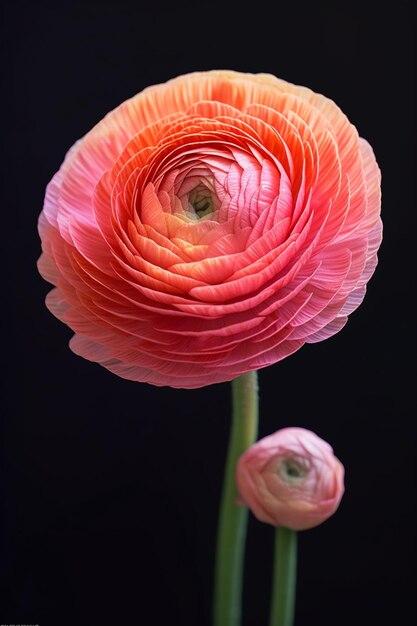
{"x":290,"y":478}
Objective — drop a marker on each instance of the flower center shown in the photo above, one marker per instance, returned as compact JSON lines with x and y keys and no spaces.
{"x":291,"y":470}
{"x":201,"y":200}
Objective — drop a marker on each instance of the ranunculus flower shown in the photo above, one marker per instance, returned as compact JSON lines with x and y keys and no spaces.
{"x":210,"y":226}
{"x":290,"y":479}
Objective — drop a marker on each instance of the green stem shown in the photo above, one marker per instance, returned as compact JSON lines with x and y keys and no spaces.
{"x":284,"y":578}
{"x":233,"y":519}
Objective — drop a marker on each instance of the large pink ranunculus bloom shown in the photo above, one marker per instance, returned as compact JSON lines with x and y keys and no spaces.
{"x":291,"y":479}
{"x":210,"y":226}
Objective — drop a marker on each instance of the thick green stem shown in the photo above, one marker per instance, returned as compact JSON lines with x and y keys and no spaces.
{"x":233,"y":519}
{"x":284,"y":578}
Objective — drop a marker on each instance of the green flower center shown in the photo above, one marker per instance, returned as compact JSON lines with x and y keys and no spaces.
{"x":201,"y":201}
{"x":291,"y":470}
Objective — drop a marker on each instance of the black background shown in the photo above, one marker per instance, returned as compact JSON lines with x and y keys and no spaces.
{"x":111,"y":488}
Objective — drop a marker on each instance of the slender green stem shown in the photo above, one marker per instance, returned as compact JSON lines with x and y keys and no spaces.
{"x":233,"y":519}
{"x":284,"y":578}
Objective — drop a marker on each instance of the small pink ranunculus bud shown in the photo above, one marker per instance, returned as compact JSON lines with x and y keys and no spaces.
{"x":290,"y":478}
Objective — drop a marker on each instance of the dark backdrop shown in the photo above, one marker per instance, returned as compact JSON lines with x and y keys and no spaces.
{"x":110,"y":488}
